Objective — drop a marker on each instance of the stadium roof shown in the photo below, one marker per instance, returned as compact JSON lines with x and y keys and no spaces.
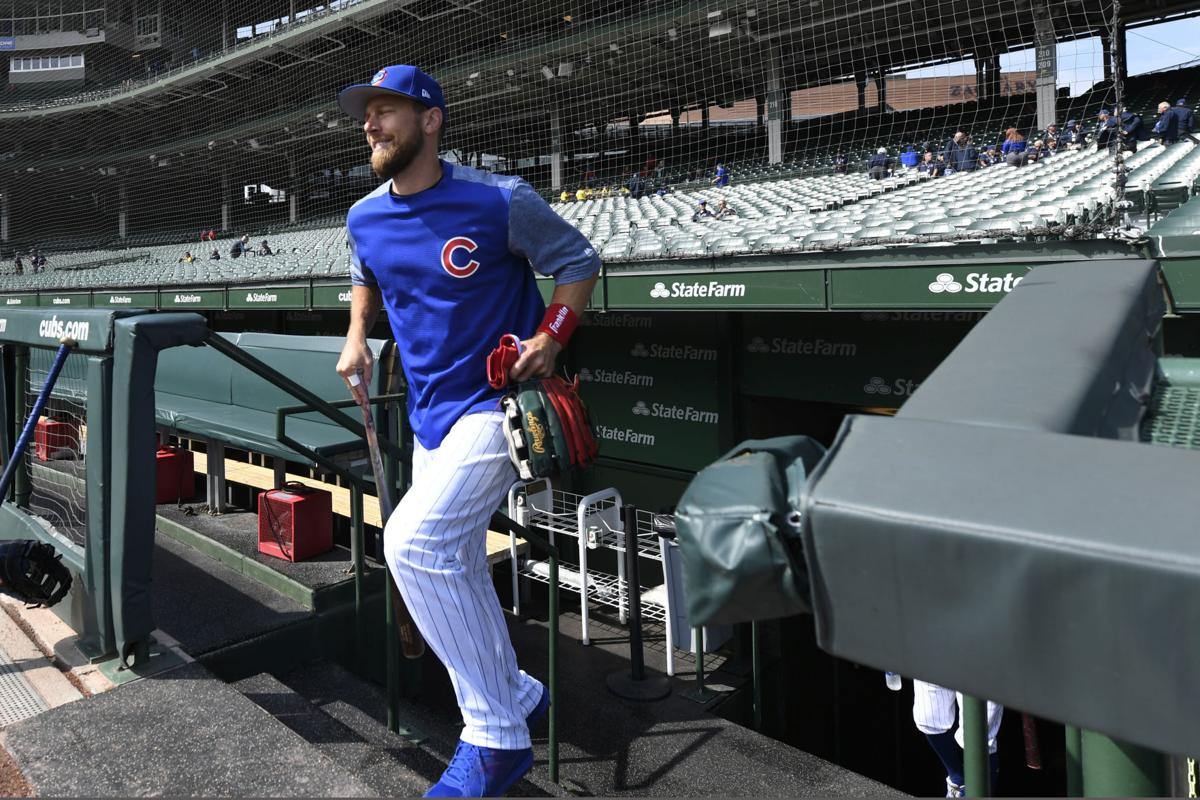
{"x":506,"y":65}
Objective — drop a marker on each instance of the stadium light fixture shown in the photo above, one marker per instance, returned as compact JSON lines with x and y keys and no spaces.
{"x":714,"y":14}
{"x":547,"y":72}
{"x":565,"y":69}
{"x":672,"y":34}
{"x":720,"y":29}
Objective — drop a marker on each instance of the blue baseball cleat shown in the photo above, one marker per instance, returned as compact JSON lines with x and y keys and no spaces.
{"x":539,"y":711}
{"x":482,"y":772}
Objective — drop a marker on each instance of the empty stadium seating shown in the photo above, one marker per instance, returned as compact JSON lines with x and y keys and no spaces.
{"x":788,"y":215}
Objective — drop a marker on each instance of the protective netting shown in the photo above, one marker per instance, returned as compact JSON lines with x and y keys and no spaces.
{"x":144,"y":138}
{"x":58,"y":453}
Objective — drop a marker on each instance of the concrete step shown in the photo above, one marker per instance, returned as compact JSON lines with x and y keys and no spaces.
{"x":392,"y":765}
{"x":179,"y":733}
{"x":386,"y":761}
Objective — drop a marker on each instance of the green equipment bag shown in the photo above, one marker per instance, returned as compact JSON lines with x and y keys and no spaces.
{"x":738,"y":526}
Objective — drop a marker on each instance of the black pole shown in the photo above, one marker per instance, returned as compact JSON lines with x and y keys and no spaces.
{"x":635,"y":685}
{"x":633,"y":593}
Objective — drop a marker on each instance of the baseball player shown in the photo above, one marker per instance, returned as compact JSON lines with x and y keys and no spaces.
{"x":935,"y":711}
{"x":446,"y":250}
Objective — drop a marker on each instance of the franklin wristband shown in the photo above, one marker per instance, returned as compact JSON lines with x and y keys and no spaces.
{"x":559,"y":323}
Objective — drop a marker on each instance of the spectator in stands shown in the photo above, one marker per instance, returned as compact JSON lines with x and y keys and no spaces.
{"x":840,"y":164}
{"x":187,"y":258}
{"x":1187,"y":120}
{"x":880,"y":166}
{"x":240,"y":247}
{"x":650,"y":165}
{"x":565,"y":196}
{"x":930,"y":166}
{"x":18,"y":265}
{"x":1052,"y":135}
{"x":37,"y":261}
{"x":989,"y":156}
{"x":724,"y":211}
{"x":702,"y":211}
{"x":265,"y":249}
{"x":721,"y":178}
{"x":581,"y":194}
{"x":1132,"y":130}
{"x":1013,"y":148}
{"x":1106,"y":130}
{"x":1168,"y":124}
{"x":215,"y":255}
{"x":637,"y":186}
{"x":959,"y":155}
{"x":663,"y":190}
{"x":605,"y":191}
{"x":1074,"y":137}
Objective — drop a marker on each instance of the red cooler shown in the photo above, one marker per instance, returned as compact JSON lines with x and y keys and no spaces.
{"x":175,"y":475}
{"x":55,"y":437}
{"x":295,"y":522}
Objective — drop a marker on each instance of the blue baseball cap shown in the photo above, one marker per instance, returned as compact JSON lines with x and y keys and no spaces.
{"x":1181,"y":101}
{"x":402,"y":79}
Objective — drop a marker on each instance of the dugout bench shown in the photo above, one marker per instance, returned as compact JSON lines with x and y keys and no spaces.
{"x":202,"y":394}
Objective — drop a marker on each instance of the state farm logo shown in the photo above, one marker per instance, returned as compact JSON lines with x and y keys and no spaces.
{"x":901,"y":387}
{"x":945,"y":283}
{"x":781,"y":345}
{"x":449,"y":256}
{"x":877,"y":386}
{"x":615,"y":377}
{"x":680,"y":352}
{"x":975,"y":283}
{"x":681,"y":413}
{"x":661,"y":291}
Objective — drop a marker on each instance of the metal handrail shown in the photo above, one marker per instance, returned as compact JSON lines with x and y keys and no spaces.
{"x":500,"y":522}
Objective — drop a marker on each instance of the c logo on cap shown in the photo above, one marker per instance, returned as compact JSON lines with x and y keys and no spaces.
{"x":379,"y":78}
{"x":459,"y":243}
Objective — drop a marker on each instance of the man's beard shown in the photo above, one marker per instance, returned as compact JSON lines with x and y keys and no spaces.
{"x":388,"y":162}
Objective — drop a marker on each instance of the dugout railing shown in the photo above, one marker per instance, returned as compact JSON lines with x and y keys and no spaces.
{"x":112,"y":444}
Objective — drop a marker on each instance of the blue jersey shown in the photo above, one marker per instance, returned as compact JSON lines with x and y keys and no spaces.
{"x":452,"y":264}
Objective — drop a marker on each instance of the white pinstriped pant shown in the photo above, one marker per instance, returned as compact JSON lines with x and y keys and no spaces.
{"x":936,"y":709}
{"x":434,"y":544}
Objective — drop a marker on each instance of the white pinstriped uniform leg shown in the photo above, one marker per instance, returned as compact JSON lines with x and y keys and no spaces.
{"x":435,"y":546}
{"x":936,"y":710}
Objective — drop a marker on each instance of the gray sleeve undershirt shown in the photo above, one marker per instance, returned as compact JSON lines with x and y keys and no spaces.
{"x":550,"y":243}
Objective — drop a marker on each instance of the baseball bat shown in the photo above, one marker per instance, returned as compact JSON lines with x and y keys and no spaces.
{"x":411,"y":643}
{"x":1033,"y":749}
{"x":14,"y":462}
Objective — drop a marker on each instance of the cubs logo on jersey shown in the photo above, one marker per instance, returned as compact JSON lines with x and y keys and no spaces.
{"x":465,"y":266}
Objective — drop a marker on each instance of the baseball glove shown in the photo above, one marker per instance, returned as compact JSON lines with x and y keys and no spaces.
{"x":33,"y":571}
{"x":548,"y":428}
